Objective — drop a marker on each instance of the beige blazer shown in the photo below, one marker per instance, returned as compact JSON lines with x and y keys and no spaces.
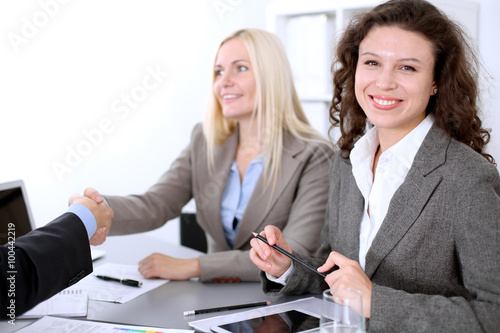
{"x":297,"y":205}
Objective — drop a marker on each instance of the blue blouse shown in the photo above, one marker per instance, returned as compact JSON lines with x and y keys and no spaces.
{"x":236,"y":196}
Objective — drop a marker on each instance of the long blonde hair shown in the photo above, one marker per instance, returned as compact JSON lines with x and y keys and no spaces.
{"x":277,"y":105}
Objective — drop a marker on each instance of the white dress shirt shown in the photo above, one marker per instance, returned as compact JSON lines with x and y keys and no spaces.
{"x":392,"y":168}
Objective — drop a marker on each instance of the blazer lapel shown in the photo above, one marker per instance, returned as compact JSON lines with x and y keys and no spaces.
{"x":216,"y":184}
{"x":350,"y":209}
{"x":261,"y":201}
{"x":410,"y":199}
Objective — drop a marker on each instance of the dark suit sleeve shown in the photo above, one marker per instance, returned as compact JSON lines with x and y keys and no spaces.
{"x":47,"y":260}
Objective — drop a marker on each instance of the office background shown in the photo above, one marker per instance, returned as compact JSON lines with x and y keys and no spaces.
{"x":105,"y":93}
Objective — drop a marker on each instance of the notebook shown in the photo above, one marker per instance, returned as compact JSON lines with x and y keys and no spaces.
{"x":16,"y":218}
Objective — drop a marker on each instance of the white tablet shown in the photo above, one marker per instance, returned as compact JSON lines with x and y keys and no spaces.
{"x":284,"y":322}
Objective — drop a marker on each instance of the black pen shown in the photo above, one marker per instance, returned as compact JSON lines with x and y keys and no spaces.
{"x":291,"y":256}
{"x":225,"y":308}
{"x":127,"y":282}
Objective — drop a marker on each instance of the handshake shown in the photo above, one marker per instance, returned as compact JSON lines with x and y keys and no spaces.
{"x":99,"y":208}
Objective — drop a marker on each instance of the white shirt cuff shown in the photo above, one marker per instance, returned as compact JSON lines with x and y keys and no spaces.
{"x":282,"y":279}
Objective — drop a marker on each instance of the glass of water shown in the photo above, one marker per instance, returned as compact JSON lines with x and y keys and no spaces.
{"x":341,"y":311}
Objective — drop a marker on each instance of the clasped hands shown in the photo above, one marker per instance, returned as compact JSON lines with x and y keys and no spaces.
{"x":156,"y":265}
{"x":99,"y":208}
{"x":349,"y":275}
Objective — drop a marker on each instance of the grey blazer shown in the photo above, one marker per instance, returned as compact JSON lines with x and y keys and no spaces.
{"x":297,"y":205}
{"x":435,"y":262}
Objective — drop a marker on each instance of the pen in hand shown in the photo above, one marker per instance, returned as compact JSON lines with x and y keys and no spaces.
{"x":291,"y":256}
{"x":127,"y":282}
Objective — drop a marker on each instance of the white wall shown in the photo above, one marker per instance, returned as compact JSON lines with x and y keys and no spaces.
{"x":489,"y":47}
{"x":67,"y":67}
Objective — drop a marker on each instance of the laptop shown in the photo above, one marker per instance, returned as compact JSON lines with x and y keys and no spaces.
{"x":15,"y":212}
{"x":16,"y":218}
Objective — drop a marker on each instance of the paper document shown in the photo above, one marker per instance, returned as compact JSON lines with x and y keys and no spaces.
{"x":310,"y":305}
{"x":110,"y":291}
{"x":63,"y":325}
{"x":96,"y":253}
{"x":68,"y":303}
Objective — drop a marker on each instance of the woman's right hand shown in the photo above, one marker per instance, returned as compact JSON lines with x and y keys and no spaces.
{"x":265,"y":257}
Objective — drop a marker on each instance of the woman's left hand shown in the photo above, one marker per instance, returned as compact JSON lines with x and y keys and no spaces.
{"x":349,"y":275}
{"x":159,"y":265}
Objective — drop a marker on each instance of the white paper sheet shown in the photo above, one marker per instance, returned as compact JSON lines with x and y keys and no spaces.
{"x":310,"y":305}
{"x":110,"y":291}
{"x":96,"y":253}
{"x":62,"y":325}
{"x":67,"y":303}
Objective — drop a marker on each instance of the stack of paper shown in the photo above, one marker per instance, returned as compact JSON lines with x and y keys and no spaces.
{"x":67,"y":303}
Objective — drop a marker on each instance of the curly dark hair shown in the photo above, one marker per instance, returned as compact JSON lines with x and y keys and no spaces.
{"x":456,"y":73}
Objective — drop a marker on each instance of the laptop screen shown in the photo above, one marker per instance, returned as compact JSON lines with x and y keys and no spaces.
{"x":14,"y":209}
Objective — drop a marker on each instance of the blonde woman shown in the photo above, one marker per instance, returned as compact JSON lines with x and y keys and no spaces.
{"x":255,"y":161}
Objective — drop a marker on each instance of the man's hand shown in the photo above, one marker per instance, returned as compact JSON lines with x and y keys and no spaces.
{"x":101,"y":211}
